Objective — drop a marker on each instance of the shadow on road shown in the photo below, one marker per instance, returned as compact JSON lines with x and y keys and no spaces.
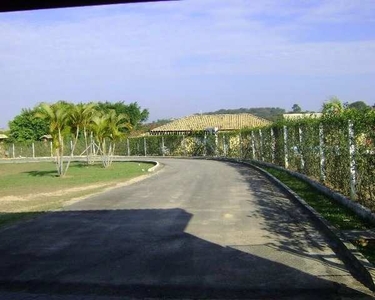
{"x":285,"y":219}
{"x":143,"y":253}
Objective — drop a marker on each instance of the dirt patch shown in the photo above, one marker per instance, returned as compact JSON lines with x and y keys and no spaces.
{"x":58,"y":193}
{"x":109,"y":186}
{"x":62,"y":197}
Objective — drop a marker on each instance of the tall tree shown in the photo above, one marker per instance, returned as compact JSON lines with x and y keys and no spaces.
{"x":81,"y":118}
{"x":57,"y":115}
{"x":107,"y":128}
{"x":359,"y":105}
{"x":135,"y":113}
{"x":333,"y":106}
{"x":25,"y":127}
{"x":296,"y":108}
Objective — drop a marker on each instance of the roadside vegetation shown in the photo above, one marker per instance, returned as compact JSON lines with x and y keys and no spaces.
{"x":69,"y":120}
{"x":100,"y":125}
{"x":28,"y":189}
{"x":336,"y":148}
{"x":339,"y":216}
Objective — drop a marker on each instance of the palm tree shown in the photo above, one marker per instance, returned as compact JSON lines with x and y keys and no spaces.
{"x":81,"y":116}
{"x":57,"y":116}
{"x":107,"y":128}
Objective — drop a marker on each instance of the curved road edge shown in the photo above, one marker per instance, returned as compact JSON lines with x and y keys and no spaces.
{"x":345,"y":249}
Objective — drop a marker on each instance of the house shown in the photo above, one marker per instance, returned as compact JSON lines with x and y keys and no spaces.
{"x":46,"y":137}
{"x":3,"y":137}
{"x":210,"y":123}
{"x":3,"y":152}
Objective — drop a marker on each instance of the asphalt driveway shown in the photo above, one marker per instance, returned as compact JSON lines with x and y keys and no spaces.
{"x":195,"y":229}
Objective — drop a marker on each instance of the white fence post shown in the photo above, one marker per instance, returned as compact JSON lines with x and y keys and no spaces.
{"x":162,"y":146}
{"x":300,"y":133}
{"x":184,"y":144}
{"x":240,"y":139}
{"x":261,"y":144}
{"x":272,"y":146}
{"x":253,"y":145}
{"x":128,"y":146}
{"x":13,"y":151}
{"x":71,"y":148}
{"x":51,"y":147}
{"x":33,"y":149}
{"x":145,"y":146}
{"x":225,"y":150}
{"x":286,"y":157}
{"x":92,"y":148}
{"x":321,"y":153}
{"x":216,"y":144}
{"x":353,"y":192}
{"x":205,"y":144}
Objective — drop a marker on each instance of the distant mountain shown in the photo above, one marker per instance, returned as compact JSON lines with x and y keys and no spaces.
{"x":268,"y":113}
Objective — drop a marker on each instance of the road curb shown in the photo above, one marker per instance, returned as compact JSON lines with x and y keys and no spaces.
{"x":357,"y":208}
{"x":157,"y":166}
{"x":346,"y":250}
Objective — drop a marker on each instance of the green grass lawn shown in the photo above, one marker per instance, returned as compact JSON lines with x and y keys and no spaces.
{"x":339,"y":216}
{"x":25,"y":178}
{"x":27,"y":189}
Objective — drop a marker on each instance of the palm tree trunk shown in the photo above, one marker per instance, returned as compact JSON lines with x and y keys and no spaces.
{"x":86,"y":145}
{"x":109,"y":155}
{"x":72,"y":151}
{"x":61,"y":154}
{"x":112,"y":154}
{"x":57,"y":161}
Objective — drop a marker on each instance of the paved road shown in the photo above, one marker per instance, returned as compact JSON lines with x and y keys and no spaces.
{"x":195,"y":229}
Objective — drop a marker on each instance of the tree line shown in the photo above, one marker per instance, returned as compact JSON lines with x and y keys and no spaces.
{"x":25,"y":127}
{"x":101,"y":125}
{"x":276,"y":113}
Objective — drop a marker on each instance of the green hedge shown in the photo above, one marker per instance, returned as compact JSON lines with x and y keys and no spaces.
{"x":319,"y":148}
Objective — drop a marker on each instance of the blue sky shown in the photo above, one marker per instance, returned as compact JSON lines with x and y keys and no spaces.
{"x":179,"y":58}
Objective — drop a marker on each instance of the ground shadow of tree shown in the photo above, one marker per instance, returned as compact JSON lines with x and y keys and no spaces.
{"x":42,"y":173}
{"x":142,"y":253}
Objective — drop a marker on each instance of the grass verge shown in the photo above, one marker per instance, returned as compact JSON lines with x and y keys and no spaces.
{"x":339,"y":216}
{"x":28,"y":189}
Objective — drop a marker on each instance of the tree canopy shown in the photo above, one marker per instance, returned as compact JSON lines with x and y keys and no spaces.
{"x":136,"y":114}
{"x":70,"y":120}
{"x":333,"y":106}
{"x":296,"y":108}
{"x":25,"y":127}
{"x":360,"y":105}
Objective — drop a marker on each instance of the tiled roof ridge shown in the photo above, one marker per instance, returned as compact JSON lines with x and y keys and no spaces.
{"x":249,"y":114}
